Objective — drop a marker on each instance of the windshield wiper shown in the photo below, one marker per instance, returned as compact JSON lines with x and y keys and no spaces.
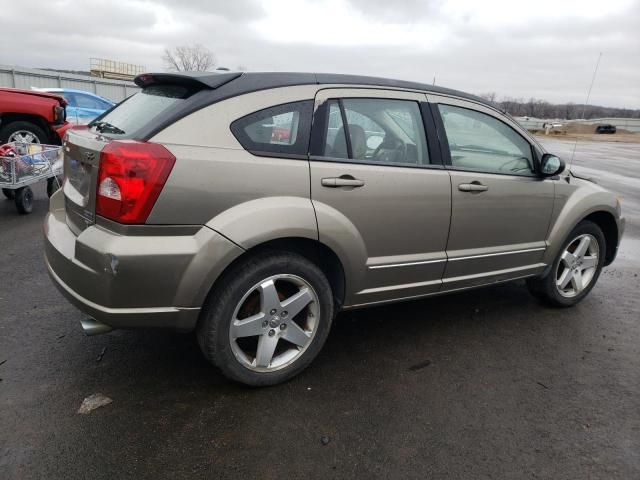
{"x":102,"y":126}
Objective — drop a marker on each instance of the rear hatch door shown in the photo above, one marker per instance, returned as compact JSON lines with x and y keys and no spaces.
{"x":81,"y":150}
{"x":161,"y":96}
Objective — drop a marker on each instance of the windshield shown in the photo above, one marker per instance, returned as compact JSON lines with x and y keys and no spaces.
{"x":140,"y":109}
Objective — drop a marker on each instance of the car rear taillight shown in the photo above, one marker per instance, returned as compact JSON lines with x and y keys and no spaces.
{"x":130,"y":178}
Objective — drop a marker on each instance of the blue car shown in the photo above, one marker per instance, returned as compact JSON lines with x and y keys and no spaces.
{"x":82,"y":106}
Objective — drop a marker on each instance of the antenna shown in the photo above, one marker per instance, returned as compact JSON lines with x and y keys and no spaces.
{"x":584,"y":109}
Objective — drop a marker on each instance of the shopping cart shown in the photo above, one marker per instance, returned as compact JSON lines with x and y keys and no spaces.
{"x":22,"y":165}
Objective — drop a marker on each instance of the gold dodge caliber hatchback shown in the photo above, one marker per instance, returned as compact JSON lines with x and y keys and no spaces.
{"x":252,"y":207}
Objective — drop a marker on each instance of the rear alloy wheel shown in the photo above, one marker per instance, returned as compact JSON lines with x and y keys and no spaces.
{"x":274,"y":323}
{"x":575,"y":270}
{"x":268,"y":319}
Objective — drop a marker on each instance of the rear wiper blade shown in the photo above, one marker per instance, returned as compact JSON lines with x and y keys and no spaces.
{"x":102,"y":126}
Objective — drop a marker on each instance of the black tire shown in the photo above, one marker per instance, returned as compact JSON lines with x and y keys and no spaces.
{"x":52,"y":186}
{"x":215,"y":322}
{"x":10,"y":128}
{"x":9,"y":193}
{"x":24,"y":200}
{"x":544,"y":288}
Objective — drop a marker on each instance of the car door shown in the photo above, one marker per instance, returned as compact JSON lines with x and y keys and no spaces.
{"x":381,"y":195}
{"x":501,"y":208}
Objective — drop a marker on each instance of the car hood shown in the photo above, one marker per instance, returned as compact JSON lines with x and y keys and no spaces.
{"x":17,"y":91}
{"x":582,"y":177}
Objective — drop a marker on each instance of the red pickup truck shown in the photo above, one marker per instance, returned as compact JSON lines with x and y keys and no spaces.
{"x":32,"y":117}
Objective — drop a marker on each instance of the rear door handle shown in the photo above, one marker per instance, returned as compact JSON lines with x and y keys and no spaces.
{"x":472,"y":187}
{"x":344,"y":181}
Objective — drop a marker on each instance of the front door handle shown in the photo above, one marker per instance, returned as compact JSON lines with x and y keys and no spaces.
{"x":344,"y":181}
{"x":472,"y":187}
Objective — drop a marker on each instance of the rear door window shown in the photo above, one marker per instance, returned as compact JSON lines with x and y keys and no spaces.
{"x":281,"y":130}
{"x":384,"y":131}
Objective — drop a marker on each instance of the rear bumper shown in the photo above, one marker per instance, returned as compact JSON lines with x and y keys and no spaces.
{"x":134,"y":281}
{"x":173,"y":317}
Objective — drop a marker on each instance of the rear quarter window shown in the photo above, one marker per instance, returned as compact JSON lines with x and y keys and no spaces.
{"x":281,"y":130}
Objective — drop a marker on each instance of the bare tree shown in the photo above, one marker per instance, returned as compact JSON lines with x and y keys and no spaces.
{"x":542,"y":109}
{"x":195,"y":57}
{"x":489,"y":96}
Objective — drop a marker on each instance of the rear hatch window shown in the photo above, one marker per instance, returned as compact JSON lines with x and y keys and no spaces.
{"x":140,"y":110}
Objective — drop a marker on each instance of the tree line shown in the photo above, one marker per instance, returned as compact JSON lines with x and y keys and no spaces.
{"x":537,"y":108}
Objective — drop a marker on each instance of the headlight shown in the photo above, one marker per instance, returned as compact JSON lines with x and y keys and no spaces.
{"x":59,"y":114}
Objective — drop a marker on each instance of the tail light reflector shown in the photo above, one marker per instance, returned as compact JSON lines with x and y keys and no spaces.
{"x":130,"y":178}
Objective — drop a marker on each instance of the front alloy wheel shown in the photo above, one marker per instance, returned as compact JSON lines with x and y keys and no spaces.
{"x":577,"y":266}
{"x":575,"y":269}
{"x":23,"y":136}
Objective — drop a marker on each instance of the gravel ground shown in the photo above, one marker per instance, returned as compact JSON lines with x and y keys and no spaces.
{"x":480,"y":384}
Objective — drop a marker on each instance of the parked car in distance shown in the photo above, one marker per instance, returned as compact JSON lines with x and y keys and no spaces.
{"x":181,"y":209}
{"x":82,"y":107}
{"x":606,"y":128}
{"x":32,"y":117}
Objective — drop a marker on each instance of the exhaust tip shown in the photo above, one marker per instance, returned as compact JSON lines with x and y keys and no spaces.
{"x":93,"y":327}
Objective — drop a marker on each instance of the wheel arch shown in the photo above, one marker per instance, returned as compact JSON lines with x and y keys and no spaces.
{"x":313,"y":250}
{"x":579,"y":202}
{"x":40,"y":122}
{"x":607,"y":223}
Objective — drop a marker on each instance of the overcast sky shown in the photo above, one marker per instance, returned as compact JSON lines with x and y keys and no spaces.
{"x":544,"y":49}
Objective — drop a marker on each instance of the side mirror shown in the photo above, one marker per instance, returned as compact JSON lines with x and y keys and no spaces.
{"x":550,"y":165}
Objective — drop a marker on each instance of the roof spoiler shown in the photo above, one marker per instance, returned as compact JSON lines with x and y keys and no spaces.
{"x":210,"y":80}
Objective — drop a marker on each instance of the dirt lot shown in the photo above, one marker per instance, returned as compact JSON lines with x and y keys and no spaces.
{"x":486,"y":384}
{"x":580,"y":132}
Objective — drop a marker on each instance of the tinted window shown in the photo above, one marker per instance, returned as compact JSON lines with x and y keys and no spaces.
{"x":142,"y":108}
{"x":481,"y":142}
{"x":379,"y":131}
{"x":87,"y":101}
{"x":71,"y":101}
{"x":282,"y":129}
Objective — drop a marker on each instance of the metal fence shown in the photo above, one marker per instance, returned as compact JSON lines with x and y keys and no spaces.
{"x":20,"y":77}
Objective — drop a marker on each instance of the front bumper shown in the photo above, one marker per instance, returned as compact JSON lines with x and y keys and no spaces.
{"x":62,"y":129}
{"x":138,"y":280}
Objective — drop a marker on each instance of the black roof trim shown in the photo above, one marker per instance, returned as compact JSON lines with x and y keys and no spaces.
{"x":221,"y":86}
{"x":246,"y":82}
{"x":389,"y":82}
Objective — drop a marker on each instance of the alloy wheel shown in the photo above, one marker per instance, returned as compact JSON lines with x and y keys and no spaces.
{"x":577,"y":266}
{"x":274,"y":323}
{"x":23,"y":136}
